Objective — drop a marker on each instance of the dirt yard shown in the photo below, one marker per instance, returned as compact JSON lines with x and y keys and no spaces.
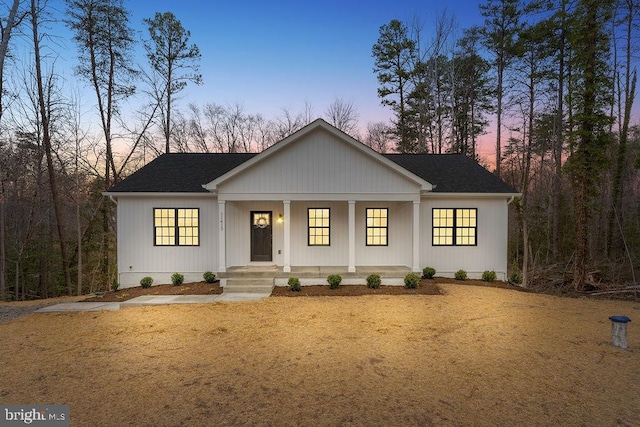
{"x":473,"y":356}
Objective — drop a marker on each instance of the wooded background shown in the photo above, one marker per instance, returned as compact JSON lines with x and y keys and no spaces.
{"x":554,"y":80}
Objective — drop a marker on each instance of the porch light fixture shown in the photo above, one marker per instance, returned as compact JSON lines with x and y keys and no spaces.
{"x":280,"y":219}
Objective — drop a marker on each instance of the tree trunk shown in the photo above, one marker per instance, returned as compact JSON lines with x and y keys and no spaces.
{"x":46,"y":139}
{"x":4,"y":47}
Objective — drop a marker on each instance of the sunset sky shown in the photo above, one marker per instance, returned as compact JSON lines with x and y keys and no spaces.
{"x":272,"y":55}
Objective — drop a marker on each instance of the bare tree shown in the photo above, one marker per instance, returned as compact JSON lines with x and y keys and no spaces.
{"x":378,"y":136}
{"x":344,"y":116}
{"x":44,"y":104}
{"x":6,"y":28}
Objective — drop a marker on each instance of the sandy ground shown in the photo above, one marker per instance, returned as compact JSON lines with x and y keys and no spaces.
{"x":474,"y":356}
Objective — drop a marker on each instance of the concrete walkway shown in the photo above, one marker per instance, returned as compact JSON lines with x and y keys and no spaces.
{"x":152,"y":300}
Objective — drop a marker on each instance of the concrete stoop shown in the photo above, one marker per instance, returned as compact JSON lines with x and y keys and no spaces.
{"x":248,"y":285}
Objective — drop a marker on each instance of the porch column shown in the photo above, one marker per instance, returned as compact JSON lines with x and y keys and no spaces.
{"x":352,"y":237}
{"x":416,"y":237}
{"x":287,"y":236}
{"x":222,"y":237}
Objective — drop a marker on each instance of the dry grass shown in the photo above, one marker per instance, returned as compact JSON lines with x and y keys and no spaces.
{"x":474,"y":356}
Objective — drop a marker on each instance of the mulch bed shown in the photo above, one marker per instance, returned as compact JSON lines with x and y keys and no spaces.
{"x":425,"y":287}
{"x":195,"y":288}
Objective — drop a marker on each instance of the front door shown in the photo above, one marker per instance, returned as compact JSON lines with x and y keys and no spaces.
{"x":261,"y":235}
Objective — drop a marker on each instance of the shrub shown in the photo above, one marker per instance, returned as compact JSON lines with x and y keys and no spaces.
{"x":177,"y":279}
{"x":374,"y":281}
{"x":294,"y":284}
{"x":115,"y":286}
{"x":515,"y":278}
{"x":334,"y":280}
{"x":146,"y":282}
{"x":411,"y":281}
{"x":461,"y":275}
{"x":428,"y":272}
{"x":489,"y":276}
{"x":209,"y":277}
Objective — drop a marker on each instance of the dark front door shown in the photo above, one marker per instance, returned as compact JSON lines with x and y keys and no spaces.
{"x":261,"y":234}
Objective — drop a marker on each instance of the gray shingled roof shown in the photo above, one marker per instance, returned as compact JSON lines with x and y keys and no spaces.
{"x":452,"y":173}
{"x":187,"y":172}
{"x":180,"y":172}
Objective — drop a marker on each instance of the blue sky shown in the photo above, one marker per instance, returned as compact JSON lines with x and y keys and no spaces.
{"x":281,"y":54}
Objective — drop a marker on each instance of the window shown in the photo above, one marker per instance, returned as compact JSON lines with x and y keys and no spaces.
{"x":454,"y":227}
{"x":377,"y":226}
{"x":176,"y":226}
{"x":318,"y":226}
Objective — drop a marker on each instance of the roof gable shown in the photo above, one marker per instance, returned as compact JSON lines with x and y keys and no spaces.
{"x":306,"y":134}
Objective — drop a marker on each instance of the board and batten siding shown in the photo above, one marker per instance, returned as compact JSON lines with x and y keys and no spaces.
{"x":491,"y":250}
{"x":319,"y":164}
{"x":137,"y":255}
{"x":239,"y":231}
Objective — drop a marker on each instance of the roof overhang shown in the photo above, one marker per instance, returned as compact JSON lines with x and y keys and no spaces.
{"x":443,"y":195}
{"x":156,"y":194}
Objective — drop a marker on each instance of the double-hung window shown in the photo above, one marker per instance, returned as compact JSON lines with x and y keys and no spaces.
{"x":176,"y":226}
{"x":318,"y":226}
{"x":454,"y":227}
{"x":377,"y":226}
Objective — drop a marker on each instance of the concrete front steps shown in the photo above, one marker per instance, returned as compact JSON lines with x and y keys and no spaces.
{"x":262,"y":278}
{"x":249,"y":285}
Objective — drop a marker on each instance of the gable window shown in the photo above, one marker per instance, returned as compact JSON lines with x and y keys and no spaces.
{"x":176,"y":226}
{"x":377,"y":226}
{"x":318,"y":221}
{"x":454,"y":227}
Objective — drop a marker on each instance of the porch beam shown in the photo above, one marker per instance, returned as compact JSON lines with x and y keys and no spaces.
{"x":287,"y":236}
{"x":222,"y":237}
{"x":416,"y":237}
{"x":352,"y":237}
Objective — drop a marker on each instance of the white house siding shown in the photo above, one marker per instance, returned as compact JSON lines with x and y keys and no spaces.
{"x":319,"y":164}
{"x":399,"y":249}
{"x":239,"y":231}
{"x":137,"y":255}
{"x":490,"y":252}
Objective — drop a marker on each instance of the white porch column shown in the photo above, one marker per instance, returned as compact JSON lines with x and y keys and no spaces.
{"x":222,"y":237}
{"x":352,"y":237}
{"x":416,"y":237}
{"x":287,"y":236}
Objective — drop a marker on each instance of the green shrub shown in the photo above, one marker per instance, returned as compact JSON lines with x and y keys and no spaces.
{"x":334,"y":280}
{"x":209,"y":277}
{"x":411,"y":281}
{"x":146,"y":282}
{"x":461,"y":275}
{"x":374,"y":281}
{"x":294,"y":284}
{"x":177,"y":279}
{"x":489,"y":276}
{"x":428,"y":272}
{"x":115,"y":286}
{"x":515,"y":278}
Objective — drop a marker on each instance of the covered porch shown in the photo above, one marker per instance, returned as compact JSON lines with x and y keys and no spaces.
{"x":283,"y":234}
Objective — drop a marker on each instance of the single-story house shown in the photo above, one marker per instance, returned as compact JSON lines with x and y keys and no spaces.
{"x":317,"y":198}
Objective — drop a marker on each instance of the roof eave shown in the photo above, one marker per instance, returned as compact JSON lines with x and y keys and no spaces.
{"x":117,"y":194}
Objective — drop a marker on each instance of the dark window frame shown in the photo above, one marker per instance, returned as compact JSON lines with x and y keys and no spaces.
{"x":176,"y":227}
{"x":456,"y":230}
{"x":368,"y":227}
{"x":316,"y":227}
